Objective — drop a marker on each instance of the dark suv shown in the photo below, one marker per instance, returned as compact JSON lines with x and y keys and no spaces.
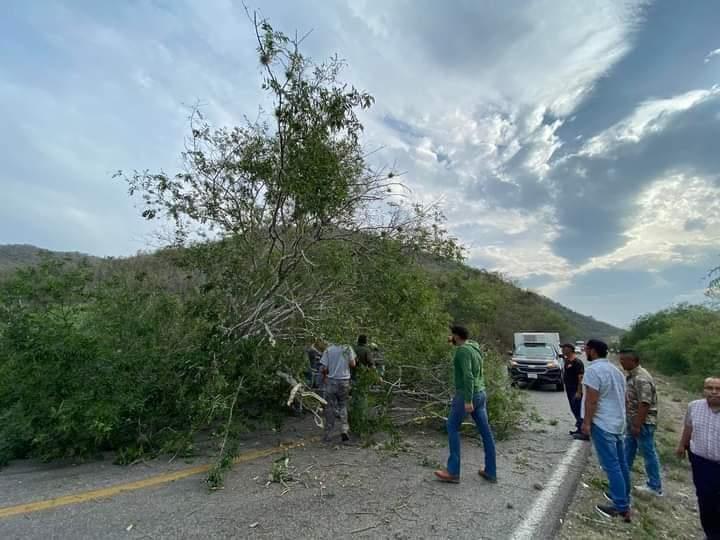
{"x":537,"y":362}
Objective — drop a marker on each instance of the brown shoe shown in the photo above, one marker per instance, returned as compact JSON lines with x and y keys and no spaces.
{"x":445,"y":476}
{"x":487,"y":477}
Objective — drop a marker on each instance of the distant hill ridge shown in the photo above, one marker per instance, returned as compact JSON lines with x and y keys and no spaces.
{"x":13,"y":256}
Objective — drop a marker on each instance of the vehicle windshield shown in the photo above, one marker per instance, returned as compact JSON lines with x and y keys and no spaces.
{"x":542,"y":351}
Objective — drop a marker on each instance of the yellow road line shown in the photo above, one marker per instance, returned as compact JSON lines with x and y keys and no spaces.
{"x":111,"y":491}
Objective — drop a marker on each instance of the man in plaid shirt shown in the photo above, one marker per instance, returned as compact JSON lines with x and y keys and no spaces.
{"x":701,"y":440}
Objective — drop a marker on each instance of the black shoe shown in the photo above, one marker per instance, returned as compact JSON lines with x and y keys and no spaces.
{"x":581,"y":437}
{"x":608,"y":511}
{"x":576,"y":432}
{"x":607,"y":496}
{"x":345,"y":437}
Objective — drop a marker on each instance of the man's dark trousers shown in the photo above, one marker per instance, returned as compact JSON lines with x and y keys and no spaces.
{"x":706,"y":476}
{"x":575,"y":405}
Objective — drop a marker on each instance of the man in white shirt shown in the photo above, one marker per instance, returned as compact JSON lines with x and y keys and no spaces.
{"x":701,"y":439}
{"x":336,"y":362}
{"x":603,"y":413}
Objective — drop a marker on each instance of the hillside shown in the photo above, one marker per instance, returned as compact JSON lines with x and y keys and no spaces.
{"x":496,"y":306}
{"x":499,"y":307}
{"x":136,"y":354}
{"x":588,"y":327}
{"x":13,"y":256}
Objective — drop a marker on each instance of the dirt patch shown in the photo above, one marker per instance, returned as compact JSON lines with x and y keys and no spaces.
{"x":673,"y":516}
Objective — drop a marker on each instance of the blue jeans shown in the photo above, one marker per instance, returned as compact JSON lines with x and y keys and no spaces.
{"x":610,"y":449}
{"x":479,"y":415}
{"x":646,"y":443}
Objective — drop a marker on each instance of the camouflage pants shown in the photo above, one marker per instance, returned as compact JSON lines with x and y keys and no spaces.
{"x":336,"y":394}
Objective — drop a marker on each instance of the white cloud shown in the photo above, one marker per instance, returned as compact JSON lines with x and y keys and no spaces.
{"x":649,"y":117}
{"x":481,"y":93}
{"x":657,"y":237}
{"x":528,"y":253}
{"x":710,"y":55}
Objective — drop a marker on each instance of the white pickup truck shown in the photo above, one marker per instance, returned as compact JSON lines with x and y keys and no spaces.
{"x":536,"y":358}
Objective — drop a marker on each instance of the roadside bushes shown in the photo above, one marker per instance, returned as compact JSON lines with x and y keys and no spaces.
{"x":682,"y":341}
{"x":505,"y":403}
{"x":120,"y":363}
{"x":129,"y":355}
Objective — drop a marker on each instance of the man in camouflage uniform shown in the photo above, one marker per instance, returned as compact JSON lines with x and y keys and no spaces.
{"x":641,"y":406}
{"x":337,"y":361}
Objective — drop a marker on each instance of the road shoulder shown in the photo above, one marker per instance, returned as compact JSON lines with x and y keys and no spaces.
{"x":674,"y":516}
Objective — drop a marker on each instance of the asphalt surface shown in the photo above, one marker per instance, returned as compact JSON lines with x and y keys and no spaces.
{"x":341,"y":491}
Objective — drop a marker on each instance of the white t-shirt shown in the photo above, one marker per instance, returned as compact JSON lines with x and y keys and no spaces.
{"x":336,"y":359}
{"x":609,"y":381}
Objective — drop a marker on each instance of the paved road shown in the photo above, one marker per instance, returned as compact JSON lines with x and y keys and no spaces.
{"x":346,"y":492}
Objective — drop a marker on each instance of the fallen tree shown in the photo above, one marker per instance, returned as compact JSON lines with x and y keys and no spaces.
{"x":263,"y":205}
{"x":281,"y":232}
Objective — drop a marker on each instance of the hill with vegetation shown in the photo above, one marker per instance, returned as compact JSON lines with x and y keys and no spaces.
{"x":14,"y":256}
{"x":282,"y":234}
{"x":681,"y":341}
{"x":492,"y":305}
{"x":137,"y":354}
{"x":586,"y":327}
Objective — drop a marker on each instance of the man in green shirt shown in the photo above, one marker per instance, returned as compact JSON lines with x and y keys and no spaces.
{"x":469,"y":399}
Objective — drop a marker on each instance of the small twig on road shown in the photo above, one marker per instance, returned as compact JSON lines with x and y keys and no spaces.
{"x":398,"y":514}
{"x":405,"y":506}
{"x":369,"y":528}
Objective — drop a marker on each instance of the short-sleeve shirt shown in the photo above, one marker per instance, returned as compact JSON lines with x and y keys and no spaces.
{"x":572,"y":372}
{"x":705,"y":423}
{"x":609,"y":381}
{"x":336,"y":359}
{"x":364,"y":356}
{"x":641,"y":389}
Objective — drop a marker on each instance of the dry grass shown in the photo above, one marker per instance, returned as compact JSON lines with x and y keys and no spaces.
{"x":672,"y":517}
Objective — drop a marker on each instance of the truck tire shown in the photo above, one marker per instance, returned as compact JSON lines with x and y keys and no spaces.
{"x":559,"y":387}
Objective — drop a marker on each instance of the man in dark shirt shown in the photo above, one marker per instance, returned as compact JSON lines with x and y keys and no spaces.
{"x":364,"y":355}
{"x":572,"y":378}
{"x":314,"y":352}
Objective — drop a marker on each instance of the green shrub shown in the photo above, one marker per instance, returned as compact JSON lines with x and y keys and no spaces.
{"x":505,"y":403}
{"x":119,"y":363}
{"x":682,"y":341}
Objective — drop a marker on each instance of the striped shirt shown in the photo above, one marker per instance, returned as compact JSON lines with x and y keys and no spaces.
{"x":705,"y":424}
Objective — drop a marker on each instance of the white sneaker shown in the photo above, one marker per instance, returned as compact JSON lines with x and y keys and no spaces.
{"x":647,"y":490}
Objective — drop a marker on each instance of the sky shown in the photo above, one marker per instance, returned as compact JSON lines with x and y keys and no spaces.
{"x":574,"y":146}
